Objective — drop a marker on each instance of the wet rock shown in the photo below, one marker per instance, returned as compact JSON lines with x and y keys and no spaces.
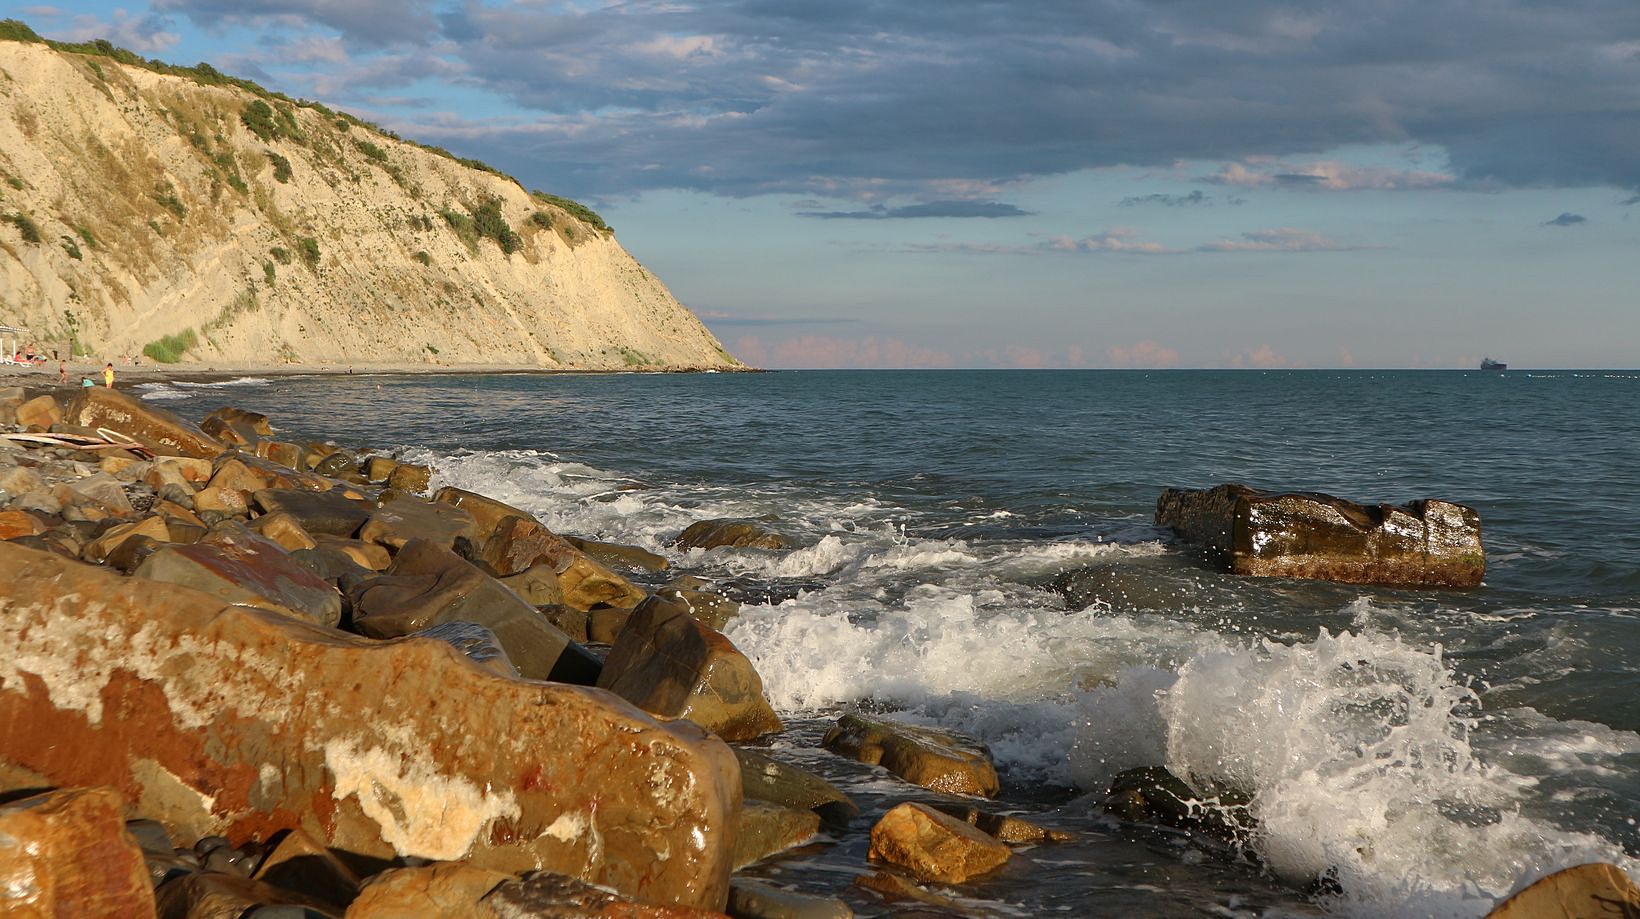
{"x":517,"y":544}
{"x":934,"y":846}
{"x":337,"y":464}
{"x":448,"y":890}
{"x":754,"y":900}
{"x":1003,"y":827}
{"x":164,"y":861}
{"x":428,"y":584}
{"x":366,"y":555}
{"x":300,"y":862}
{"x":1428,"y":543}
{"x":378,"y":469}
{"x":568,"y":619}
{"x":475,"y":642}
{"x":328,"y":513}
{"x":1154,"y":795}
{"x":1592,"y":891}
{"x":232,"y":721}
{"x":935,"y":759}
{"x":285,"y":530}
{"x":238,"y":566}
{"x":67,"y":853}
{"x":605,"y":624}
{"x":410,"y":477}
{"x":894,"y":887}
{"x":616,"y":555}
{"x":766,"y":829}
{"x":255,"y":423}
{"x":159,"y":430}
{"x":193,"y":470}
{"x":737,"y":534}
{"x":404,"y":518}
{"x":709,"y":606}
{"x":764,"y":778}
{"x":213,"y":504}
{"x":671,"y":666}
{"x":289,"y":455}
{"x":222,"y":895}
{"x":544,"y":895}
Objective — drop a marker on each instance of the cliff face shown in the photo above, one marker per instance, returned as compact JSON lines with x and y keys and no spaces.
{"x":137,"y":206}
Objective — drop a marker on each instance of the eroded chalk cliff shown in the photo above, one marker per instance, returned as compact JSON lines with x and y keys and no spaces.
{"x":212,"y":224}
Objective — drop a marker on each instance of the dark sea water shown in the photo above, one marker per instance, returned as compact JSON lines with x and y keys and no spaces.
{"x":1424,"y":751}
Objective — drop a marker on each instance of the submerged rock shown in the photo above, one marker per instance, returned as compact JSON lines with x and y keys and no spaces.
{"x":756,"y":900}
{"x":935,"y":759}
{"x":934,"y":846}
{"x":1428,"y":543}
{"x":736,"y":534}
{"x":766,"y":829}
{"x":1152,"y":794}
{"x":765,"y":778}
{"x":1003,"y":827}
{"x":225,"y":720}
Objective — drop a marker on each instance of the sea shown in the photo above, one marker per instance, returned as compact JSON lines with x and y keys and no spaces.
{"x":1402,"y":752}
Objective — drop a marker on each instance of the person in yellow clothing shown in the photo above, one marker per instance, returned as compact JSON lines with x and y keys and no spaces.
{"x":108,"y":375}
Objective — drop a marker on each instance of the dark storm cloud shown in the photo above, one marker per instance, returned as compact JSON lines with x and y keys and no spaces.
{"x":929,"y":209}
{"x":1566,"y":219}
{"x":872,"y":99}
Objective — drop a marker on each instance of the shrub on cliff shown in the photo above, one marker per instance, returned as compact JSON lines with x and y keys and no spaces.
{"x":169,"y":350}
{"x":24,"y":225}
{"x":258,"y":119}
{"x":490,"y":224}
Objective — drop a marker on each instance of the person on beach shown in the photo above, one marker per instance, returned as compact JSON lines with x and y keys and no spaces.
{"x":108,"y":375}
{"x":62,"y":371}
{"x":85,"y":383}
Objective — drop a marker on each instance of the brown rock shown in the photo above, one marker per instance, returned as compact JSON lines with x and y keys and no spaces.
{"x":755,"y":900}
{"x":158,"y":476}
{"x":568,"y":619}
{"x":239,"y":566}
{"x":15,"y":523}
{"x":156,"y":428}
{"x":378,"y":469}
{"x":39,"y":412}
{"x":328,"y":513}
{"x":585,"y":584}
{"x":428,"y":584}
{"x":710,"y":607}
{"x":283,"y":529}
{"x":255,"y":422}
{"x":406,"y":517}
{"x":934,"y":846}
{"x":218,"y":895}
{"x":767,"y":828}
{"x":193,"y":470}
{"x":672,"y":666}
{"x":364,"y":554}
{"x":1425,"y":543}
{"x":616,"y":555}
{"x":448,"y":890}
{"x":764,"y":778}
{"x":940,"y":760}
{"x":124,"y":467}
{"x":225,"y":502}
{"x":20,"y":480}
{"x":517,"y":544}
{"x":1592,"y":891}
{"x":67,"y":854}
{"x":487,"y":512}
{"x":229,"y":433}
{"x":410,"y":477}
{"x":893,"y":886}
{"x":300,"y":862}
{"x":289,"y":455}
{"x":605,"y":623}
{"x":102,"y":488}
{"x":544,"y":895}
{"x":737,"y":534}
{"x":1003,"y":827}
{"x":98,"y":550}
{"x":538,"y":585}
{"x":475,"y":642}
{"x":236,"y":722}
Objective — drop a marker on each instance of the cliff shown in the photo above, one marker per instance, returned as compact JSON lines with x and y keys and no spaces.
{"x":209,"y":222}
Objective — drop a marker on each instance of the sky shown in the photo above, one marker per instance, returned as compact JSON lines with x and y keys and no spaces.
{"x":1028,"y":183}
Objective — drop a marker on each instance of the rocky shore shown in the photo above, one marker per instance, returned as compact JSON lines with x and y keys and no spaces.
{"x":243,"y":676}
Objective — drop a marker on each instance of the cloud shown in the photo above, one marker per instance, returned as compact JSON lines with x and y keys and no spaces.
{"x":1631,"y":200}
{"x":815,"y":352}
{"x":1329,"y":175}
{"x":1263,"y":357}
{"x":1142,"y":354}
{"x":1566,"y":219}
{"x":1195,"y":197}
{"x":1117,"y":239}
{"x":928,"y":209}
{"x":875,"y":100}
{"x":147,"y":34}
{"x":1280,"y":239}
{"x":721,"y":319}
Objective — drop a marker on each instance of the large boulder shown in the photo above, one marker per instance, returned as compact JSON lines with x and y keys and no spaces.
{"x":67,"y":853}
{"x":428,"y":584}
{"x":764,"y":778}
{"x":935,"y":759}
{"x":406,"y":517}
{"x":239,"y":566}
{"x":1428,"y":543}
{"x":448,"y":890}
{"x":672,"y":666}
{"x":157,"y":429}
{"x":223,"y":720}
{"x":934,"y":846}
{"x":319,"y":512}
{"x":1592,"y":891}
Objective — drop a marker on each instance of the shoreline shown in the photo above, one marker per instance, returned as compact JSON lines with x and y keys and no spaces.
{"x":131,"y":374}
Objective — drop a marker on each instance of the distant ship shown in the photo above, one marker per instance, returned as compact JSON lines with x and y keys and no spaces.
{"x":1489,"y":364}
